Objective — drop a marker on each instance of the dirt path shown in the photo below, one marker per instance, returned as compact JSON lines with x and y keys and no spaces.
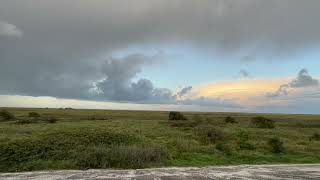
{"x":214,"y":172}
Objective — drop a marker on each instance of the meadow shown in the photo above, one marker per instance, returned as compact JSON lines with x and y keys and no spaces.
{"x":41,"y":139}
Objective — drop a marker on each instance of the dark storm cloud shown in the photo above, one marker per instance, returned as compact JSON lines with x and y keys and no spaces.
{"x":61,"y":42}
{"x":303,"y":80}
{"x":118,"y":84}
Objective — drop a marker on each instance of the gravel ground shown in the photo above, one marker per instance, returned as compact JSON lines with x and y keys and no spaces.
{"x":298,"y":171}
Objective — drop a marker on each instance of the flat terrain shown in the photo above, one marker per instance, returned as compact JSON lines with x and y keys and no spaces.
{"x":101,"y":139}
{"x":244,"y":172}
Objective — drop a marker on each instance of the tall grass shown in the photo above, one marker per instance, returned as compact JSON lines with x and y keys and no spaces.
{"x":121,"y":157}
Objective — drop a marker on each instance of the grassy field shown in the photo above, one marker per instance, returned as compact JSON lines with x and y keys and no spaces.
{"x":82,"y":139}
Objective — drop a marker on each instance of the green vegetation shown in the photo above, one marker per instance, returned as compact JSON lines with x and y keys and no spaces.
{"x":315,"y":137}
{"x":121,"y":157}
{"x":82,"y":139}
{"x":173,"y":116}
{"x":276,"y":145}
{"x":244,"y":141}
{"x":6,"y":115}
{"x":51,"y":120}
{"x":230,"y":119}
{"x":34,"y":115}
{"x":262,"y":122}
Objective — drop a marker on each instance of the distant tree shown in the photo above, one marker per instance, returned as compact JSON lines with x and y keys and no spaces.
{"x":262,"y":122}
{"x":6,"y":115}
{"x":34,"y":114}
{"x":230,"y":119}
{"x":176,"y":116}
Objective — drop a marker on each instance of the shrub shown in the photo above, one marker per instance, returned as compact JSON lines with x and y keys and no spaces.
{"x":195,"y":121}
{"x":224,"y":147}
{"x":315,"y":137}
{"x":34,"y":114}
{"x":184,"y":144}
{"x":58,"y":145}
{"x":121,"y":157}
{"x":6,"y":115}
{"x":276,"y":145}
{"x":24,"y":121}
{"x":51,"y":120}
{"x":98,"y":118}
{"x":211,"y":135}
{"x":262,"y":122}
{"x":243,"y":141}
{"x":176,"y":116}
{"x":230,"y":119}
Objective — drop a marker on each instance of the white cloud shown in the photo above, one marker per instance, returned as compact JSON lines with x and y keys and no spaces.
{"x":7,"y":29}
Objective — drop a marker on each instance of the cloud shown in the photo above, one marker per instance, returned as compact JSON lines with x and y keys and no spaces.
{"x":9,"y":30}
{"x":183,"y":91}
{"x":261,"y":95}
{"x":210,"y":101}
{"x":303,"y":80}
{"x":283,"y":90}
{"x":118,"y":83}
{"x":244,"y":74}
{"x":244,"y":92}
{"x":63,"y":54}
{"x":248,"y":59}
{"x":302,"y":101}
{"x":110,"y":25}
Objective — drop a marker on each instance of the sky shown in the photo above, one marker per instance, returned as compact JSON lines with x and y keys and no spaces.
{"x":186,"y":55}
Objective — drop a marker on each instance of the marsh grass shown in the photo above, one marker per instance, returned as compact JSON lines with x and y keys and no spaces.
{"x":211,"y":135}
{"x":120,"y":157}
{"x":140,"y":139}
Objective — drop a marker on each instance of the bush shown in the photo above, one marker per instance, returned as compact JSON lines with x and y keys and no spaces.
{"x":224,"y":147}
{"x":276,"y":145}
{"x":211,"y":135}
{"x":184,"y":144}
{"x":262,"y":122}
{"x":51,"y":120}
{"x":230,"y":119}
{"x":176,"y":116}
{"x":34,"y":114}
{"x":24,"y":121}
{"x":57,"y":146}
{"x":243,"y":141}
{"x":195,"y":121}
{"x":121,"y":157}
{"x":315,"y":137}
{"x":6,"y":115}
{"x":98,"y":118}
